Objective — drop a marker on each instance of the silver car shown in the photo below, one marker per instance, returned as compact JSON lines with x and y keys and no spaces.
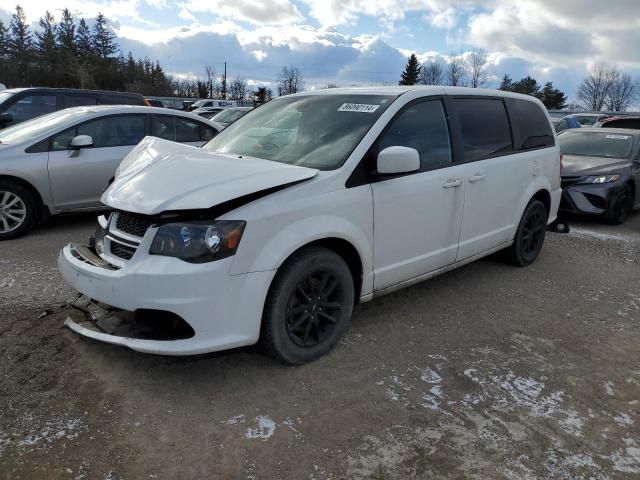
{"x":63,"y":161}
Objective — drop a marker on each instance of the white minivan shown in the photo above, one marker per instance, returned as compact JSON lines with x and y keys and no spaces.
{"x":308,"y":205}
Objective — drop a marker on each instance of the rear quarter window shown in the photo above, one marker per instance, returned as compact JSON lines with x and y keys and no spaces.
{"x":531,"y":128}
{"x":483,"y":126}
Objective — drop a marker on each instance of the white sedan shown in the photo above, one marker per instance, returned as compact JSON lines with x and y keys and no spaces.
{"x":63,"y":161}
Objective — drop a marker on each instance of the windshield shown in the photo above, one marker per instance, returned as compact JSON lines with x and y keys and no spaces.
{"x":596,"y":144}
{"x":5,"y":96}
{"x":31,"y":129}
{"x":229,"y":116}
{"x":317,"y":131}
{"x":586,"y":120}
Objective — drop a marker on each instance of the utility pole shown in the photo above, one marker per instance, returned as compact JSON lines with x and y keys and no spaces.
{"x":224,"y":82}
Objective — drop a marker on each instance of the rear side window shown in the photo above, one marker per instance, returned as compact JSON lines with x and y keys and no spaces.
{"x":531,"y":127}
{"x":79,"y":101}
{"x":484,"y":127}
{"x":177,"y":129}
{"x":121,"y":100}
{"x":422,"y":126}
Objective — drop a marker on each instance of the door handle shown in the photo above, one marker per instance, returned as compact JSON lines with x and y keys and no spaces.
{"x":476,"y":178}
{"x":452,"y":183}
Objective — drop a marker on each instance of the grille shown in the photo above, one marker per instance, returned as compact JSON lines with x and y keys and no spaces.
{"x":122,"y":251}
{"x":132,"y":225}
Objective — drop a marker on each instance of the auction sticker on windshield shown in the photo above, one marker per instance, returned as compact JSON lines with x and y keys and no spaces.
{"x":358,"y":107}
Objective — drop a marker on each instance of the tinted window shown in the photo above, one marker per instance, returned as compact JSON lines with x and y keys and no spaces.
{"x":484,"y":127}
{"x":113,"y":131}
{"x":121,"y":100}
{"x":78,"y":100}
{"x":530,"y":124}
{"x":595,"y":144}
{"x":32,"y":106}
{"x":422,"y":126}
{"x":562,"y":125}
{"x":207,"y":132}
{"x":175,"y":128}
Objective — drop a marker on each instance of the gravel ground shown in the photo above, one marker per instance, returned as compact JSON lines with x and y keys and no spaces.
{"x":487,"y":372}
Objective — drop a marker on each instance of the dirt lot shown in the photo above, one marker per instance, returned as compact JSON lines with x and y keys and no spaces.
{"x":486,"y":372}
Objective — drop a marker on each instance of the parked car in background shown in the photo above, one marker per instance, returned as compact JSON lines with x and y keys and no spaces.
{"x":622,"y":122}
{"x":565,"y":123}
{"x":21,"y":104}
{"x":62,"y":162}
{"x":601,"y":174}
{"x":152,"y":102}
{"x":588,"y":119}
{"x":230,"y":115}
{"x":272,"y":236}
{"x":207,"y":112}
{"x":210,"y":103}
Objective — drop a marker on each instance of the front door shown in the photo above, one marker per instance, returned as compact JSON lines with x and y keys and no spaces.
{"x":417,"y":216}
{"x":78,"y":178}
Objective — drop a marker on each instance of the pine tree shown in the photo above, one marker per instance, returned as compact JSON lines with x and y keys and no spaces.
{"x":4,"y":39}
{"x":20,"y":40}
{"x":507,"y":83}
{"x":103,"y":38}
{"x":67,"y":33}
{"x":46,"y":37}
{"x":83,"y":41}
{"x":411,"y":71}
{"x":553,"y":98}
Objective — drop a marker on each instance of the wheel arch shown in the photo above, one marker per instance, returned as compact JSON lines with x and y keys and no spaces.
{"x":345,"y":250}
{"x":543,"y":196}
{"x":42,"y":209}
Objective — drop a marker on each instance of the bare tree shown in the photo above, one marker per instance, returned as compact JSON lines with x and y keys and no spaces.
{"x":456,"y":71}
{"x":596,"y":86}
{"x":211,"y":80}
{"x":621,"y":93}
{"x":290,"y":81}
{"x":238,"y":89}
{"x":432,"y":73}
{"x":477,"y":65}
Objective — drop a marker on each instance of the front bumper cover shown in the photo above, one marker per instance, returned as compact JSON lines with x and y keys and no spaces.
{"x":223,"y":310}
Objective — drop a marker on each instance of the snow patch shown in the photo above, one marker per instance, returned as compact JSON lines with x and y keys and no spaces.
{"x":264,"y":429}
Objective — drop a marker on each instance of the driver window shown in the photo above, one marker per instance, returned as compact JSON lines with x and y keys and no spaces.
{"x":422,"y":126}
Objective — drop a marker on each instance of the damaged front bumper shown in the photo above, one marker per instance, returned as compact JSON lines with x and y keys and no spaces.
{"x":224,"y":311}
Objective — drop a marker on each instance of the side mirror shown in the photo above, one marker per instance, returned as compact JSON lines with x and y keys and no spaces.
{"x":396,"y":160}
{"x":81,"y":141}
{"x":5,"y":118}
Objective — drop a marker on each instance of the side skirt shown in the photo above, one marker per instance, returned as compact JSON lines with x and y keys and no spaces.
{"x":435,"y":273}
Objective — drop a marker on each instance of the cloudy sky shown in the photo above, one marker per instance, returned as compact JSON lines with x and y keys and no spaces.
{"x":367,"y":41}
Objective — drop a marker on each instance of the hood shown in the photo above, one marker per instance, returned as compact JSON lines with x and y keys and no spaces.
{"x":577,"y":164}
{"x":160,"y":175}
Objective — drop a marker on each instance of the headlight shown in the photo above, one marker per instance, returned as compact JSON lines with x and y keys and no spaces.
{"x":600,"y":178}
{"x":198,"y":242}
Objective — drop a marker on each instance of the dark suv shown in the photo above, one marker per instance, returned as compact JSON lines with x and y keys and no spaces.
{"x":20,"y":104}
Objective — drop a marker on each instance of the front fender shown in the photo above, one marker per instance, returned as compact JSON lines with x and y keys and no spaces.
{"x":283,"y":244}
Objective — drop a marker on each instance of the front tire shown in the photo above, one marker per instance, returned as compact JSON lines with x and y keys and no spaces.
{"x":18,"y":210}
{"x":530,"y":235}
{"x":621,"y":207}
{"x":308,"y":306}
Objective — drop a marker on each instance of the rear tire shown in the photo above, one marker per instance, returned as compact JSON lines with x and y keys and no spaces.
{"x":530,"y":235}
{"x":621,"y":207}
{"x":308,"y":306}
{"x":18,"y":210}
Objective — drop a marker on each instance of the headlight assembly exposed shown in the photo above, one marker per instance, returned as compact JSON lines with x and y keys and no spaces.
{"x":198,"y":242}
{"x":600,"y":178}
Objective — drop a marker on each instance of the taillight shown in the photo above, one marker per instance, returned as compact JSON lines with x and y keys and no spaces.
{"x":561,"y":165}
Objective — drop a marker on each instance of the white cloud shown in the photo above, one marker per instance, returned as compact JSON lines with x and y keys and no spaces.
{"x":260,"y":12}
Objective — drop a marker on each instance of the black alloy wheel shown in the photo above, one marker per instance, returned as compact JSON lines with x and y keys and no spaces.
{"x":530,"y":235}
{"x":621,"y":207}
{"x":308,"y":306}
{"x":314,"y":309}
